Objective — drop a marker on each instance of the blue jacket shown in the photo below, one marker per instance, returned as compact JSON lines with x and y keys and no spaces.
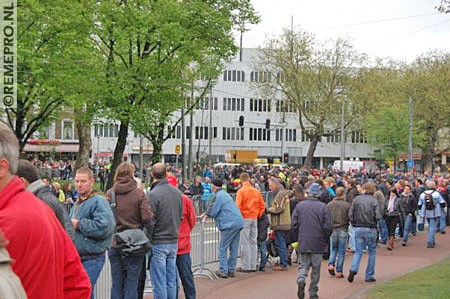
{"x":226,"y":212}
{"x":438,"y":203}
{"x":96,"y":227}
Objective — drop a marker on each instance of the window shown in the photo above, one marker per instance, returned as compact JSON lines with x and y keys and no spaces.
{"x":278,"y":134}
{"x":176,"y":133}
{"x":232,"y":133}
{"x":305,"y":138}
{"x":334,"y":137}
{"x":234,"y":76}
{"x":291,"y":135}
{"x":67,"y":129}
{"x":44,"y":133}
{"x":203,"y":132}
{"x":233,"y":104}
{"x":259,"y":134}
{"x":205,"y":103}
{"x":261,"y":76}
{"x":359,"y":137}
{"x":260,"y":105}
{"x":284,"y":106}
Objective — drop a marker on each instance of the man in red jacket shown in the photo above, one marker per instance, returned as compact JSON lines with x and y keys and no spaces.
{"x":184,"y":244}
{"x":46,"y":260}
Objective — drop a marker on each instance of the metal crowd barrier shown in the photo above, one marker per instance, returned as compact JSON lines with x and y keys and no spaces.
{"x":205,"y":239}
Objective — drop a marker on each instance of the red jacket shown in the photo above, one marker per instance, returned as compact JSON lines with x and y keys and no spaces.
{"x":46,"y":260}
{"x":186,"y":226}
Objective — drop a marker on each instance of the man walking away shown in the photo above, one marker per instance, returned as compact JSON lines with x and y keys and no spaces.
{"x":429,"y":207}
{"x":364,"y":214}
{"x":338,"y":208}
{"x":312,"y":222}
{"x":251,"y":204}
{"x":167,"y":207}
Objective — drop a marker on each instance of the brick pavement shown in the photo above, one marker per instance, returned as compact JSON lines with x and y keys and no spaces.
{"x":271,"y":284}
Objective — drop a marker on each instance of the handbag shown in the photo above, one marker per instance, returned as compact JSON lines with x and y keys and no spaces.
{"x":133,"y":241}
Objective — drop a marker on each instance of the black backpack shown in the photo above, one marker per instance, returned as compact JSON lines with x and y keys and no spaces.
{"x":429,"y":201}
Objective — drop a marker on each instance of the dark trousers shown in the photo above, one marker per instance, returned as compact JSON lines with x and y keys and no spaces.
{"x":392,"y":222}
{"x":187,"y":278}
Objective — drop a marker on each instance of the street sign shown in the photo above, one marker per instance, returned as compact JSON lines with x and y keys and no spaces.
{"x":410,"y":163}
{"x":177,"y":149}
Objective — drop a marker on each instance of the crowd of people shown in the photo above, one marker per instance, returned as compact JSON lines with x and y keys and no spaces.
{"x":319,"y":214}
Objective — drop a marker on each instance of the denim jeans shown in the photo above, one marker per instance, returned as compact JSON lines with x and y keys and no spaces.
{"x":442,"y":222}
{"x":163,"y":270}
{"x":432,"y":224}
{"x":125,"y":272}
{"x":407,"y":227}
{"x":262,"y":247}
{"x":186,"y":276}
{"x":93,"y":267}
{"x":280,"y":245}
{"x":383,"y":230}
{"x":249,"y":247}
{"x":365,"y":236}
{"x":351,"y":238}
{"x":310,"y":260}
{"x":338,"y":242}
{"x":229,"y":240}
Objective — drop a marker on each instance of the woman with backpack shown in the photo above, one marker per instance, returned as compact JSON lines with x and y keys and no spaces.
{"x":132,"y":211}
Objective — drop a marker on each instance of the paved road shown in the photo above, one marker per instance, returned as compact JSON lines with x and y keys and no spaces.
{"x":282,"y":285}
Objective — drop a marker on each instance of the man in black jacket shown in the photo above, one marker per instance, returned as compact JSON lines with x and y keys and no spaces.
{"x":312,"y":224}
{"x":167,"y":208}
{"x":29,"y":175}
{"x":364,"y":214}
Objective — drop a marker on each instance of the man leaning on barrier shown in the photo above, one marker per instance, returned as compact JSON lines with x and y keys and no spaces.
{"x":229,"y":221}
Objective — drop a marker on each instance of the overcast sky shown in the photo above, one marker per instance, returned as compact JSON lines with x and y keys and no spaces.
{"x":415,"y":26}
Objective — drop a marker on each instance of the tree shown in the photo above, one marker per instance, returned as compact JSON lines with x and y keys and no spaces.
{"x":314,"y":78}
{"x":46,"y":38}
{"x":147,"y":45}
{"x":444,"y":7}
{"x":428,"y":83}
{"x":388,"y":130}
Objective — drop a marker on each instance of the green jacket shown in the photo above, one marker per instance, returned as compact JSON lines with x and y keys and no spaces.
{"x":280,"y":211}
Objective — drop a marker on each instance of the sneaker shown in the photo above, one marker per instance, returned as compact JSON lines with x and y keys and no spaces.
{"x":339,"y":275}
{"x":371,"y":279}
{"x":349,"y":250}
{"x":403,"y":243}
{"x":443,"y":232}
{"x":301,"y":289}
{"x":221,"y":274}
{"x":262,"y":269}
{"x":240,"y":269}
{"x":430,"y":245}
{"x":280,"y":268}
{"x":231,"y":274}
{"x":331,"y":270}
{"x":351,"y":276}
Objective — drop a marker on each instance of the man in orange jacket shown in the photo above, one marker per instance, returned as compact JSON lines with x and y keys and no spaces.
{"x":46,"y":260}
{"x":251,"y":203}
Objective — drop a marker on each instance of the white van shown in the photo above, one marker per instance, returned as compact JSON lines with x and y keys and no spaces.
{"x":348,"y":165}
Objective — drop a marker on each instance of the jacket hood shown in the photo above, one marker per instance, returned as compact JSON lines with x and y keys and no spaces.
{"x":124,"y":185}
{"x":35,"y":186}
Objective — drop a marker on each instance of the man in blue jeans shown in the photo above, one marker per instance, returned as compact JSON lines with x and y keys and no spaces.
{"x":338,"y":208}
{"x":167,"y":208}
{"x":229,"y":221}
{"x":364,"y":214}
{"x":430,"y":206}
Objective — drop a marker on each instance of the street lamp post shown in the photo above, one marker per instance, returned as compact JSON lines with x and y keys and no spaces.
{"x":410,"y":143}
{"x":342,"y":156}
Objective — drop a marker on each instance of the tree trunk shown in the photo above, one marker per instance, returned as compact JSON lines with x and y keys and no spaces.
{"x":311,"y":150}
{"x":118,"y":152}
{"x":429,"y":150}
{"x":84,"y":138}
{"x":157,"y":150}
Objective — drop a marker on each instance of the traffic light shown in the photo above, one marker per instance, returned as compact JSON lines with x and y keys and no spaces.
{"x":286,"y":157}
{"x":241,"y":121}
{"x":270,"y":160}
{"x":267,"y":123}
